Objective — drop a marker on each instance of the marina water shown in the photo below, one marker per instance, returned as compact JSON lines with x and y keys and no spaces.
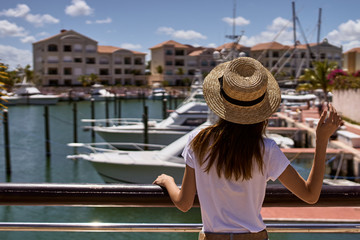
{"x":29,"y":164}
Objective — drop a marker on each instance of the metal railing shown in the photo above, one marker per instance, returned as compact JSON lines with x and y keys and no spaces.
{"x":120,"y":195}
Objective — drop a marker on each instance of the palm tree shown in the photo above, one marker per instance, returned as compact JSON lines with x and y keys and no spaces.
{"x":317,"y":77}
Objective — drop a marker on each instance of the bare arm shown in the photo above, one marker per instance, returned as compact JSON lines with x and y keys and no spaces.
{"x":309,"y":190}
{"x":182,"y":198}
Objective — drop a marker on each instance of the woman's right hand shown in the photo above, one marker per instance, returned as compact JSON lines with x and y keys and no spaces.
{"x":327,"y":126}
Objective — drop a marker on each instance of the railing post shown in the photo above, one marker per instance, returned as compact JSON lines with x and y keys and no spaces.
{"x":107,"y":111}
{"x":7,"y":143}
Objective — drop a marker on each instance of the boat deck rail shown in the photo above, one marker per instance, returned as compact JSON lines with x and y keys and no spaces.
{"x":119,"y":121}
{"x":131,"y":195}
{"x":114,"y":147}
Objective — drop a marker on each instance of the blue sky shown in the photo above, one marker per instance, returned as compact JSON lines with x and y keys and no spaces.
{"x":141,"y":24}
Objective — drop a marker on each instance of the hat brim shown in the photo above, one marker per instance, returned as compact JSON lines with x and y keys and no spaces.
{"x":240,"y":114}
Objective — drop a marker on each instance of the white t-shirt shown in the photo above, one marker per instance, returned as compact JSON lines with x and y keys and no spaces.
{"x":234,"y":206}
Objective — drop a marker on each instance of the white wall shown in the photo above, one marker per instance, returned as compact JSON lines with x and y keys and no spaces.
{"x":347,"y":102}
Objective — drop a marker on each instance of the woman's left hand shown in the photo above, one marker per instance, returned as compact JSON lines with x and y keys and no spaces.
{"x":163,"y":179}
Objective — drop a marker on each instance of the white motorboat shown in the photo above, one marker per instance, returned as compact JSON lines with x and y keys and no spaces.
{"x":190,"y":114}
{"x":158,"y":93}
{"x":139,"y":167}
{"x":143,"y":166}
{"x":27,"y":93}
{"x":99,"y":93}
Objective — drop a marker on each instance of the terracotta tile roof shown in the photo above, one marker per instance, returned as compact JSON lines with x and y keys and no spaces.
{"x":63,"y":32}
{"x":196,"y":53}
{"x":111,"y":49}
{"x":170,"y":42}
{"x":268,"y":46}
{"x":230,"y":45}
{"x":357,"y":50}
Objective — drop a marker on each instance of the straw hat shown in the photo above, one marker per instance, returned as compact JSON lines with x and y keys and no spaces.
{"x":242,"y":91}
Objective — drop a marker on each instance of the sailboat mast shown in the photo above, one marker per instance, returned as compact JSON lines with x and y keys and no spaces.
{"x":318,"y":35}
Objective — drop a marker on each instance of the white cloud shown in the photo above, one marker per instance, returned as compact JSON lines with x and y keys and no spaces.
{"x":39,"y":20}
{"x":130,"y":46}
{"x":78,"y":8}
{"x":180,"y":34}
{"x":8,"y":29}
{"x":280,"y":31}
{"x":20,"y":11}
{"x":13,"y":56}
{"x":212,"y":45}
{"x":346,"y":34}
{"x":239,"y":21}
{"x":28,"y":39}
{"x":107,"y":20}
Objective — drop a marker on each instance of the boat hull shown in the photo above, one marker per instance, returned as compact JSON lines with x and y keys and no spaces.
{"x":164,"y":137}
{"x":136,"y":174}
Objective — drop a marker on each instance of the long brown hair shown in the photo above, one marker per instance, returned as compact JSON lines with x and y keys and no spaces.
{"x":232,"y":147}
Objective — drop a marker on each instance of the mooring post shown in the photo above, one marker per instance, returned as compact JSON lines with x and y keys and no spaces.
{"x":115,"y":103}
{"x":146,"y":129}
{"x":164,"y":108}
{"x":75,"y":121}
{"x":7,"y":143}
{"x":107,"y":111}
{"x":119,"y":107}
{"x":92,"y":118}
{"x":47,"y":131}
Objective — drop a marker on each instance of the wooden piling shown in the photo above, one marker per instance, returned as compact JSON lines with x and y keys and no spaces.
{"x":146,"y":127}
{"x":119,"y":107}
{"x":93,"y":118}
{"x":107,"y":111}
{"x":7,"y":143}
{"x":75,"y":121}
{"x":47,"y":131}
{"x":164,"y":108}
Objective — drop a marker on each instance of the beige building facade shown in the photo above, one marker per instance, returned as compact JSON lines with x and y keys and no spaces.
{"x":64,"y":58}
{"x":351,"y":60}
{"x":174,"y":63}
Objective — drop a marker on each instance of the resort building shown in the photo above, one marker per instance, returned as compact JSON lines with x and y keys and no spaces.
{"x":173,"y":63}
{"x":351,"y":60}
{"x":290,"y":61}
{"x":66,"y":57}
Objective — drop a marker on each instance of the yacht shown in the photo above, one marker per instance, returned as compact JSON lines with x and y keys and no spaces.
{"x":27,"y":93}
{"x":191,"y":113}
{"x":99,"y":93}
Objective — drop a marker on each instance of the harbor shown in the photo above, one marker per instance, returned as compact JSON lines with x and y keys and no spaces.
{"x":30,"y":164}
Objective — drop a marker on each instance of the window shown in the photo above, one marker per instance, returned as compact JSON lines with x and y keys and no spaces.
{"x":104,"y":60}
{"x":117,"y":71}
{"x":67,"y":48}
{"x":90,"y":48}
{"x":104,"y":71}
{"x":67,"y":71}
{"x":168,"y":63}
{"x":179,"y":62}
{"x":78,"y":60}
{"x":77,"y":48}
{"x":168,"y":52}
{"x":90,"y":71}
{"x":118,"y":81}
{"x":128,"y":71}
{"x":204,"y":63}
{"x":53,"y":82}
{"x":67,"y":59}
{"x":77,"y":71}
{"x":117,"y":60}
{"x":169,"y":72}
{"x":52,"y":59}
{"x":52,"y":71}
{"x":90,"y":60}
{"x":52,"y":48}
{"x":179,"y":52}
{"x":276,"y":54}
{"x":127,"y":60}
{"x":67,"y":82}
{"x":138,"y":61}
